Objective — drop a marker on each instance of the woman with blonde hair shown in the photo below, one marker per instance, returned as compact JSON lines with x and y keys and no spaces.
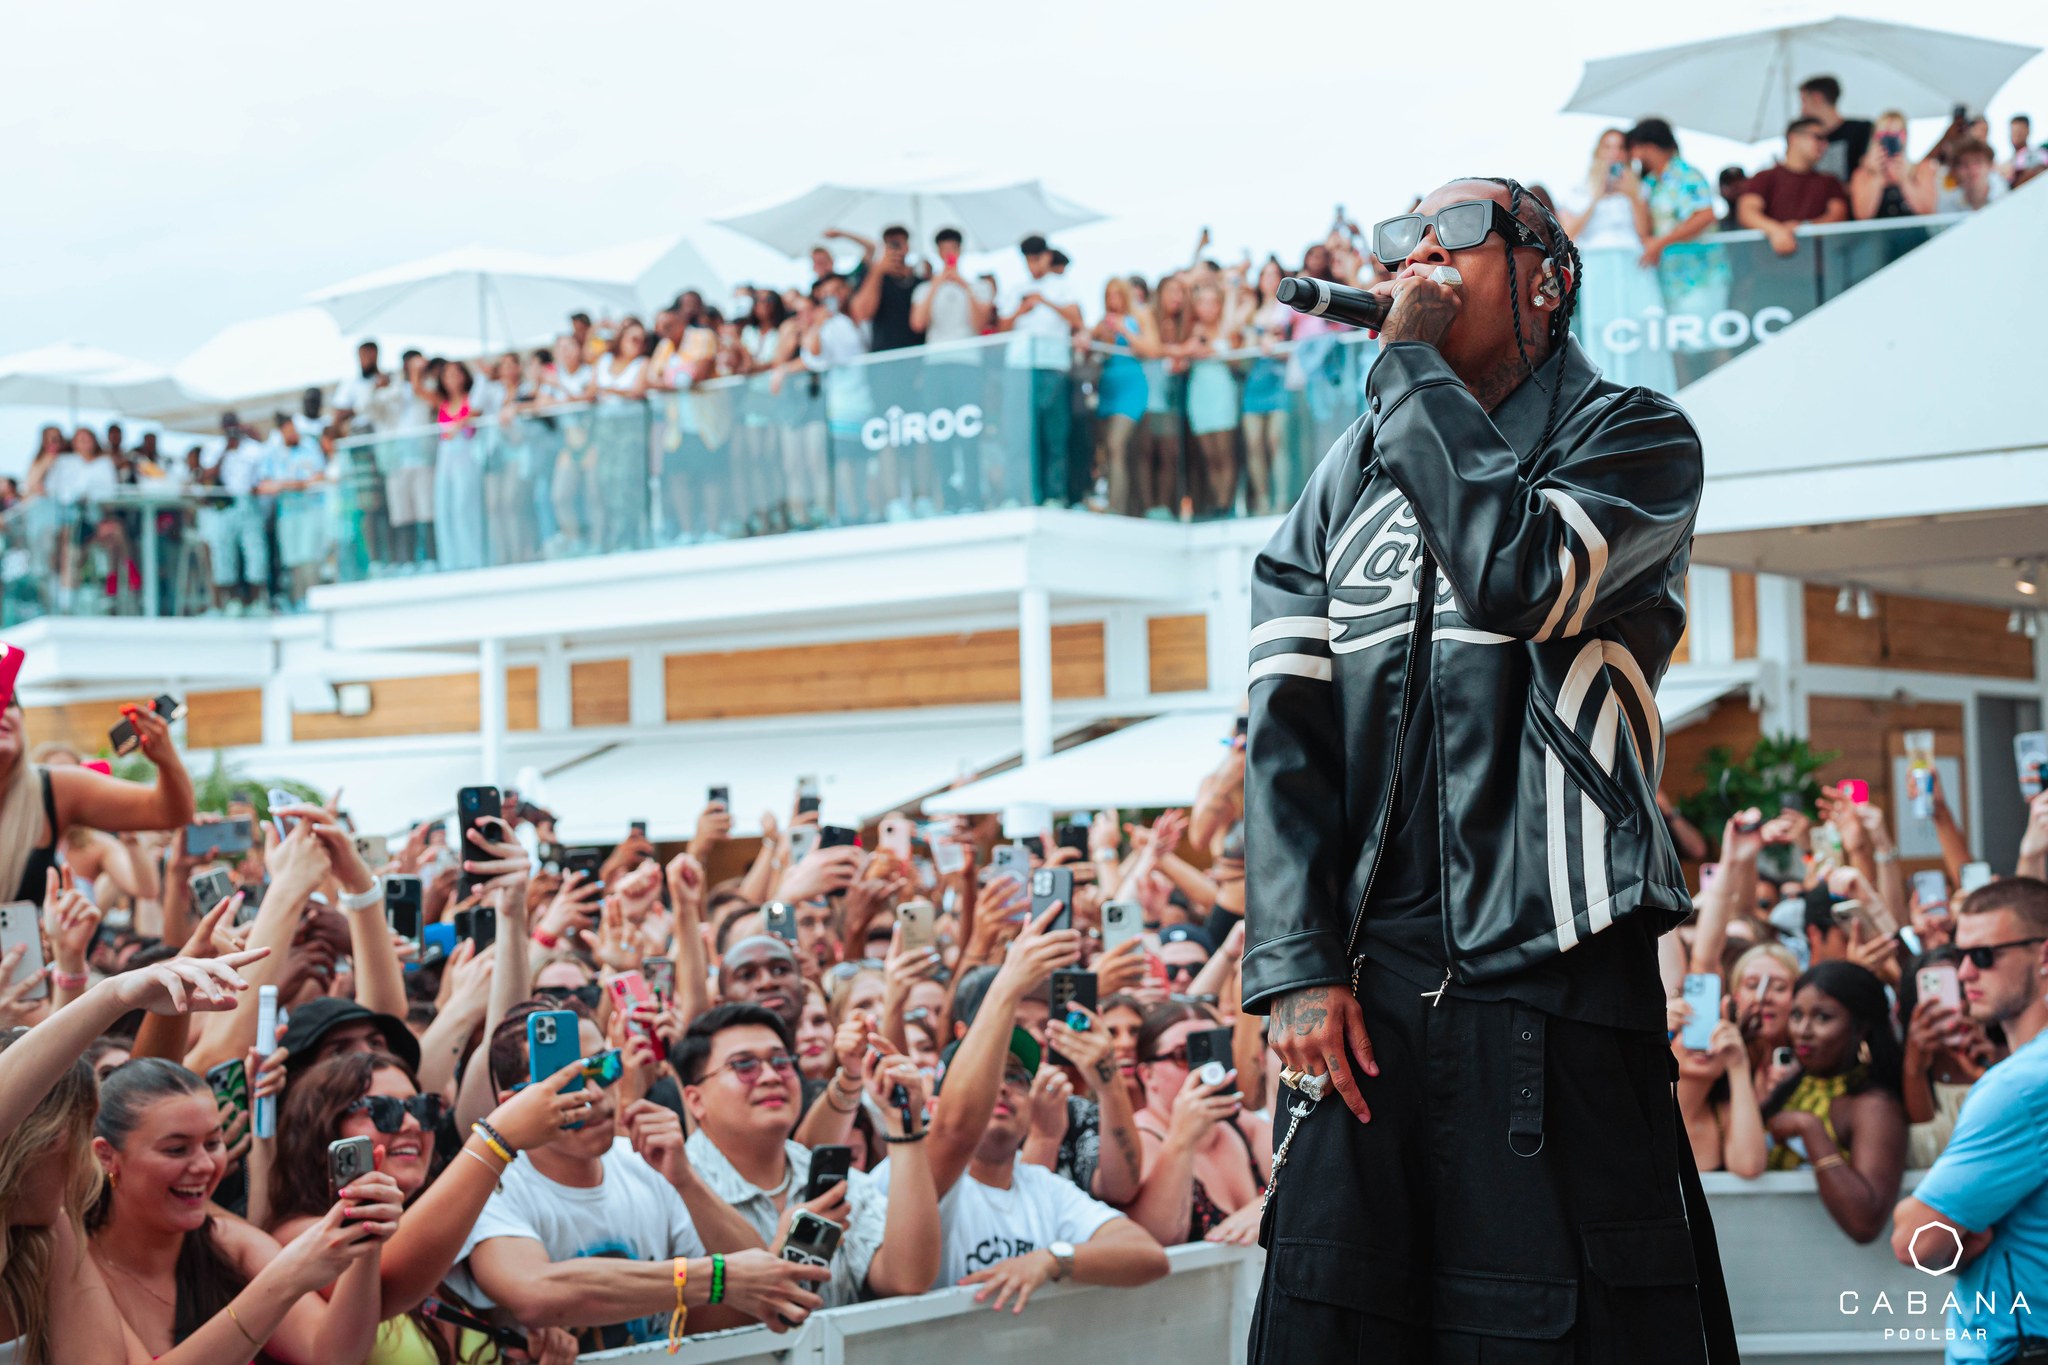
{"x":40,"y":805}
{"x":1607,"y":216}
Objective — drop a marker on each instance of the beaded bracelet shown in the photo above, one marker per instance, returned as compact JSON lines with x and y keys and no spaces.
{"x":718,"y":1279}
{"x":492,"y":1140}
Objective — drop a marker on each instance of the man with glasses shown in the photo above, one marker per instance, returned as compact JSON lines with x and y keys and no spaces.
{"x":591,"y":1231}
{"x":1989,"y":1186}
{"x":1456,"y":871}
{"x":740,"y":1086}
{"x":1184,"y":950}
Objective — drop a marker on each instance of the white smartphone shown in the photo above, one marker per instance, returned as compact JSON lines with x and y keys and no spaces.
{"x":1938,"y":982}
{"x":22,"y":923}
{"x":263,"y":1117}
{"x":1122,"y":921}
{"x":1975,"y":875}
{"x":1703,"y":993}
{"x":917,"y":919}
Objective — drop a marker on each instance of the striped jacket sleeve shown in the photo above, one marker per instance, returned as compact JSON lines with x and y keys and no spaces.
{"x":1296,"y":844}
{"x":1547,"y":558}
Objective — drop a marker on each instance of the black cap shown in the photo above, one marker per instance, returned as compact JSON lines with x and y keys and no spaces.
{"x":1186,"y":933}
{"x":1651,"y":132}
{"x":1034,"y":245}
{"x":1059,"y":258}
{"x":312,"y":1021}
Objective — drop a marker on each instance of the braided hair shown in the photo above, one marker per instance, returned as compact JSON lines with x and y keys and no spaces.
{"x":1561,"y":249}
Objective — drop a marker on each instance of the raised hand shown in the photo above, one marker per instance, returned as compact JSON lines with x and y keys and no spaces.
{"x":772,"y":1290}
{"x":185,"y":985}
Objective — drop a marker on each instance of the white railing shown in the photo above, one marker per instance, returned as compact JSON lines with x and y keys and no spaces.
{"x":1790,"y":1274}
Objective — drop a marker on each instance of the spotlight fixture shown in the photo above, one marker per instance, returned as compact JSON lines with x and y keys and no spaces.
{"x":1844,"y":601}
{"x":2012,"y":624}
{"x":2030,"y":578}
{"x":1866,"y":605}
{"x":2033,"y":626}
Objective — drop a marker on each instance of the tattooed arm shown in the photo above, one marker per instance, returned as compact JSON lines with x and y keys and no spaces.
{"x":1119,"y":1169}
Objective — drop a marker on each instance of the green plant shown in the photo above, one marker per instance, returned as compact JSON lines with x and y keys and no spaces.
{"x":1779,"y":768}
{"x":221,"y":783}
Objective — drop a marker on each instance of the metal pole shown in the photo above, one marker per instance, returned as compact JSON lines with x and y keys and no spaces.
{"x":1034,"y":671}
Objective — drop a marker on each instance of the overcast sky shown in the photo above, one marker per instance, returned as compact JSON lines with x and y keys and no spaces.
{"x":172,"y":169}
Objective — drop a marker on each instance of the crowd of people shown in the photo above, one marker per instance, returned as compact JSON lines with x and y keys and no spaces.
{"x":903,"y":386}
{"x":1864,"y":1022}
{"x":601,"y":1098}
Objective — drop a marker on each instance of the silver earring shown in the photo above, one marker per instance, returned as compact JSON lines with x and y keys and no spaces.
{"x":1537,"y":300}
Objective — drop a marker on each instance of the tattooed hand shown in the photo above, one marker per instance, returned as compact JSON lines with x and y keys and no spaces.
{"x":1319,"y":1030}
{"x":1423,"y":309}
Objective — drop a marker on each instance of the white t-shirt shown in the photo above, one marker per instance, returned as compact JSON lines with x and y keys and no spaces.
{"x":1612,"y":225}
{"x":952,"y":319}
{"x":242,"y":468}
{"x":1041,"y":339}
{"x":356,"y":393}
{"x":634,"y":1214}
{"x":1951,"y":200}
{"x":983,"y":1225}
{"x":75,"y":479}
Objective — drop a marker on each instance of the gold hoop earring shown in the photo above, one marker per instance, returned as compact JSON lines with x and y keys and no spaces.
{"x":114,"y":1180}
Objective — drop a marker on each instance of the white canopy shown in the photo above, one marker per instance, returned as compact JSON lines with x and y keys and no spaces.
{"x":709,"y":259}
{"x":988,"y":215}
{"x":1890,"y":439}
{"x":1156,"y":762}
{"x":71,"y":375}
{"x":1746,"y":86}
{"x":865,"y":769}
{"x":489,"y":296}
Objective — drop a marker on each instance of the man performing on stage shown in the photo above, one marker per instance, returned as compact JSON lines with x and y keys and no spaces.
{"x":1457,"y":873}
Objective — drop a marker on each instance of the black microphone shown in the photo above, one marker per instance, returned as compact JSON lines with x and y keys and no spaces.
{"x":1338,"y":302}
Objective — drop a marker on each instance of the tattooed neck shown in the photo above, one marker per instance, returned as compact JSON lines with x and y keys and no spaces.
{"x":1493,"y":384}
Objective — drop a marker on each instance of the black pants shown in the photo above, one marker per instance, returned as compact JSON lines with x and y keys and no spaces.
{"x":1515,"y":1200}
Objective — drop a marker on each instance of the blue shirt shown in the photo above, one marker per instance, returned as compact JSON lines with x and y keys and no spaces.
{"x":1994,"y":1174}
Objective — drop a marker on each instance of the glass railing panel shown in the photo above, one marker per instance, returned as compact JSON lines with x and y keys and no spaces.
{"x":1706,"y":302}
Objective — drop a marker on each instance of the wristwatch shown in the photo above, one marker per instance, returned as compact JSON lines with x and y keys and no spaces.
{"x":1062,"y":1259}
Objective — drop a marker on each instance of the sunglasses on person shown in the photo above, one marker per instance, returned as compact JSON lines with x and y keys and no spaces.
{"x":1986,"y":957}
{"x":589,"y":994}
{"x":747,"y":1067}
{"x":846,"y":971}
{"x":1459,"y":227}
{"x":1178,"y":1056}
{"x":387,"y":1112}
{"x":1190,"y":970}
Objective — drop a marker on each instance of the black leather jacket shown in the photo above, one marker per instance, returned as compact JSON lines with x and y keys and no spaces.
{"x":1555,"y":579}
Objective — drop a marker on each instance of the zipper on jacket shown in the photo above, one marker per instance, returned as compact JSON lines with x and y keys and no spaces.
{"x":1425,"y":608}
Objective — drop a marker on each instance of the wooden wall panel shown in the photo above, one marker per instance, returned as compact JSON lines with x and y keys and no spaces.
{"x":1916,"y":633}
{"x":1742,"y":595}
{"x":1179,"y":652}
{"x":522,"y":698}
{"x":1731,"y":722}
{"x":79,"y":725}
{"x":445,"y":703}
{"x":1871,"y":733}
{"x":221,"y":720}
{"x":862,"y":675}
{"x":600,"y":693}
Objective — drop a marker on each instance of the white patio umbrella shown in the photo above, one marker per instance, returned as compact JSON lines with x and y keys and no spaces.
{"x":71,"y":375}
{"x":497,"y":297}
{"x":1746,"y":87}
{"x":989,"y":216}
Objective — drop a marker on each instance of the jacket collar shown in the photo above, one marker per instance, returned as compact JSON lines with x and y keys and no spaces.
{"x":1520,"y":416}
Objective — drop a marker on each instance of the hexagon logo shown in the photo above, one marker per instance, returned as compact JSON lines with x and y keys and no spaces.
{"x":1936,"y":1249}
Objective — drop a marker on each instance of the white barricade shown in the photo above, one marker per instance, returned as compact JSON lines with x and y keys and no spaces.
{"x":1802,"y":1291}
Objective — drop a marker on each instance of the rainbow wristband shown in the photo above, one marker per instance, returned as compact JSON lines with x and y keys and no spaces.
{"x":717,"y":1279}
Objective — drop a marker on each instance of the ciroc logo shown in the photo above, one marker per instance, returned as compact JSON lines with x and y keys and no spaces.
{"x":899,"y":428}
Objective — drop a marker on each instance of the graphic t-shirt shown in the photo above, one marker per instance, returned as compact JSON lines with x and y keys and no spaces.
{"x":633,"y":1214}
{"x":983,"y":1225}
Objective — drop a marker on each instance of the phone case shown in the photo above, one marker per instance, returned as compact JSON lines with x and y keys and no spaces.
{"x":1703,"y":993}
{"x":230,"y":1084}
{"x":551,"y":1044}
{"x":348,"y":1158}
{"x":1122,"y":921}
{"x":263,"y":1121}
{"x":829,"y":1166}
{"x":919,"y":927}
{"x":628,"y":990}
